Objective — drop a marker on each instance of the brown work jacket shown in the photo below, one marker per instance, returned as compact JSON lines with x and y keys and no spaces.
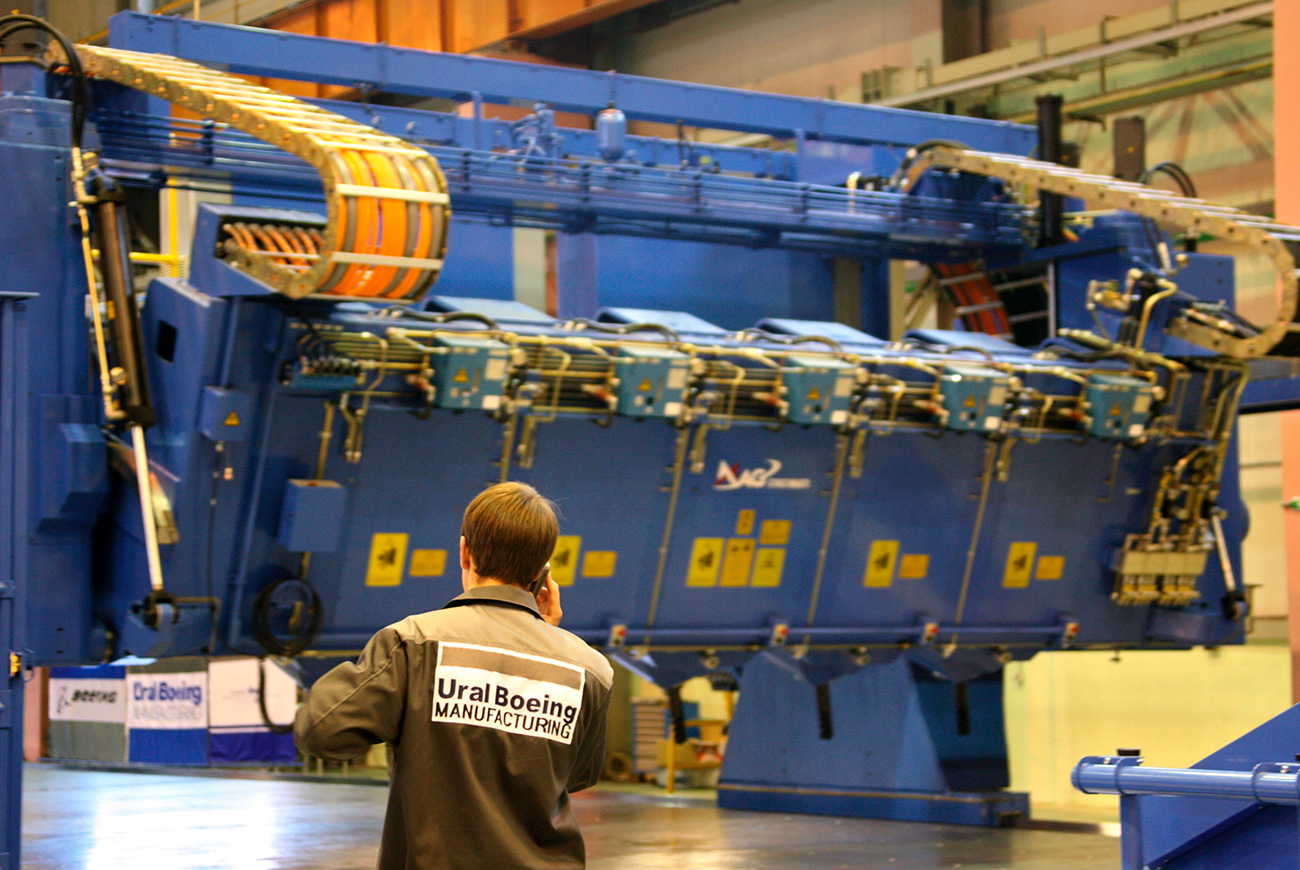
{"x":493,"y":716}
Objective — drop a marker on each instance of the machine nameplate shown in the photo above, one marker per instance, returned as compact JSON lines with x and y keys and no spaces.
{"x":599,"y":563}
{"x":428,"y":563}
{"x":913,"y":566}
{"x":1050,"y":568}
{"x":774,"y":533}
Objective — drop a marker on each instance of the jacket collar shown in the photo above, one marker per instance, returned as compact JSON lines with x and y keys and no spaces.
{"x":509,"y":596}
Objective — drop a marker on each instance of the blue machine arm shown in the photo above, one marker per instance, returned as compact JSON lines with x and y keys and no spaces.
{"x":1267,"y":783}
{"x":1230,"y":811}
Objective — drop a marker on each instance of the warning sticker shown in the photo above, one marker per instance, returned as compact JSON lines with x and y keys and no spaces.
{"x":737,"y":562}
{"x":461,"y":377}
{"x":507,"y":691}
{"x":1020,"y":563}
{"x":913,"y":566}
{"x":645,"y":386}
{"x":706,"y":560}
{"x":387,"y":559}
{"x":428,"y":563}
{"x":745,"y":522}
{"x":232,"y":419}
{"x":768,"y":564}
{"x":564,"y":561}
{"x":880,"y":564}
{"x":599,"y":563}
{"x":1050,"y":567}
{"x":774,"y":533}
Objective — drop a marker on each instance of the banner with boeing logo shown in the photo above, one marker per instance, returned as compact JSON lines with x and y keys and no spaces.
{"x":86,"y":698}
{"x":167,"y":714}
{"x":87,"y":710}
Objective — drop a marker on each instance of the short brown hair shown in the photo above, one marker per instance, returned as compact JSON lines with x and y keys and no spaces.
{"x":510,"y":531}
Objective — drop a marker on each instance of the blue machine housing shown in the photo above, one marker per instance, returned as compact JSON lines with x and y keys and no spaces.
{"x":863,"y":532}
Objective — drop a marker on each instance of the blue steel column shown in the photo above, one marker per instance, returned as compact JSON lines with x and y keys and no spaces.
{"x":13,"y":523}
{"x":1130,"y":836}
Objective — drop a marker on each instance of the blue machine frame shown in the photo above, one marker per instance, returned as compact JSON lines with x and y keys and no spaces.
{"x":1229,"y":811}
{"x":862,"y":532}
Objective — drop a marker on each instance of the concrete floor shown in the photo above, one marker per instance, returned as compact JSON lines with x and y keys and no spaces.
{"x":106,"y":821}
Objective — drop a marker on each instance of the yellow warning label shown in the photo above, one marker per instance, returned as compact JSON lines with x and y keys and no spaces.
{"x":880,"y":564}
{"x":232,"y":419}
{"x":1115,"y":410}
{"x":1020,"y":563}
{"x":599,"y":563}
{"x":969,"y":403}
{"x":768,"y":564}
{"x":913,"y":566}
{"x":461,"y":377}
{"x":774,"y":533}
{"x":737,"y":562}
{"x":745,"y":522}
{"x":646,"y":386}
{"x":428,"y":563}
{"x":1050,"y":567}
{"x":564,"y":561}
{"x":387,"y":559}
{"x":814,"y":394}
{"x":706,"y":559}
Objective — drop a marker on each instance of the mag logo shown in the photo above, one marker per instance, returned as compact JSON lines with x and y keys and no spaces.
{"x":733,"y":476}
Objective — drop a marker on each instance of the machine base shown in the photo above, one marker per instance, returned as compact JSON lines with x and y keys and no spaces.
{"x":887,"y":741}
{"x":987,"y":809}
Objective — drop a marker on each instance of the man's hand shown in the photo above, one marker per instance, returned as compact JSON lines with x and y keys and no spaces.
{"x":548,"y":601}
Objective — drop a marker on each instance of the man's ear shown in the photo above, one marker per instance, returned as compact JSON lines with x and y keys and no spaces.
{"x":466,"y":563}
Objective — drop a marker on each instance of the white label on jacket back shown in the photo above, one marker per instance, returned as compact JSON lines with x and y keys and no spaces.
{"x":508,"y":691}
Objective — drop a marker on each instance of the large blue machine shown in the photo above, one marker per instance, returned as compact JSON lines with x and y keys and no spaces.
{"x":755,"y":482}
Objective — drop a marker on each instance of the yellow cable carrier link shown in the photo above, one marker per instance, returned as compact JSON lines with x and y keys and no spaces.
{"x":1281,"y":337}
{"x":387,"y":200}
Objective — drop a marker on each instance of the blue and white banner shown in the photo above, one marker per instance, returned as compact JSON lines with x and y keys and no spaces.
{"x":88,"y":695}
{"x":239,"y":732}
{"x":167,"y":717}
{"x":167,"y":701}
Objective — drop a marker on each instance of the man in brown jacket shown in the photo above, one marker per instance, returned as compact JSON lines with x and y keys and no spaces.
{"x":493,"y":712}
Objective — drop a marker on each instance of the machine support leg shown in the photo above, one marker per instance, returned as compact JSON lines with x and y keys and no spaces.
{"x":1130,"y":842}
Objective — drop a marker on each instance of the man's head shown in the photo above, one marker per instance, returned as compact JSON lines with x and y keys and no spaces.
{"x":508,"y":534}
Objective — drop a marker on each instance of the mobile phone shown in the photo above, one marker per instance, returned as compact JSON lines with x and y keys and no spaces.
{"x":540,"y":582}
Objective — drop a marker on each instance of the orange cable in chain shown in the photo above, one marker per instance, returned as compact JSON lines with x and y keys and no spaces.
{"x":374,"y":243}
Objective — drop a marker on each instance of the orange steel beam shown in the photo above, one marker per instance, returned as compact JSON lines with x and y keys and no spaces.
{"x":545,"y":29}
{"x":1286,"y":175}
